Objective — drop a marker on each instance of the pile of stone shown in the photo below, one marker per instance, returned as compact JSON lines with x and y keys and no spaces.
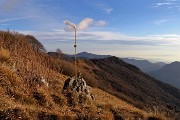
{"x":77,"y":90}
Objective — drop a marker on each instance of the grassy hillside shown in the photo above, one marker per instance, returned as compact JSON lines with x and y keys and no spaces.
{"x":24,"y":63}
{"x":129,"y":83}
{"x":135,"y":85}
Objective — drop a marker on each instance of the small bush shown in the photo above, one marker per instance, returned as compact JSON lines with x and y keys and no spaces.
{"x":4,"y":55}
{"x":40,"y":98}
{"x":13,"y":114}
{"x":47,"y":116}
{"x":153,"y":118}
{"x":66,"y":118}
{"x":59,"y":100}
{"x":67,"y":68}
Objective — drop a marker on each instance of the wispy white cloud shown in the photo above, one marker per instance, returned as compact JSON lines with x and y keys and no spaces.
{"x":101,"y":23}
{"x":108,"y":37}
{"x":159,"y":22}
{"x":168,"y":4}
{"x":102,"y":6}
{"x":171,"y":0}
{"x":108,"y":10}
{"x":17,"y":10}
{"x":85,"y":24}
{"x":157,"y":47}
{"x":4,"y":24}
{"x":163,"y":4}
{"x":13,"y":19}
{"x":8,"y":5}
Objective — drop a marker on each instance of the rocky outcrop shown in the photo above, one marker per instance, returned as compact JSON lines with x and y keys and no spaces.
{"x":77,"y":90}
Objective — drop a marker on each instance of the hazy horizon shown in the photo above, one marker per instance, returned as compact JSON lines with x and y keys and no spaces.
{"x":129,"y":57}
{"x":141,"y":29}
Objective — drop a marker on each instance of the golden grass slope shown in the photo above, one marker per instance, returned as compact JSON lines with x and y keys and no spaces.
{"x":25,"y":96}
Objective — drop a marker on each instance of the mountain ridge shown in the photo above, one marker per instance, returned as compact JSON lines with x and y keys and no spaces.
{"x":144,"y":65}
{"x":117,"y":63}
{"x":89,"y":55}
{"x":31,"y":83}
{"x":170,"y":73}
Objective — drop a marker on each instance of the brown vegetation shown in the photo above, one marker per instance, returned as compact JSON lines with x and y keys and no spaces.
{"x":31,"y":84}
{"x":128,"y":82}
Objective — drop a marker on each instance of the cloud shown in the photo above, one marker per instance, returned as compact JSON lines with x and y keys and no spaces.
{"x":8,"y":5}
{"x":162,"y":4}
{"x":107,"y":37}
{"x":171,"y":0}
{"x":100,"y":23}
{"x":104,"y":7}
{"x":159,"y":22}
{"x":167,"y":4}
{"x":13,"y":19}
{"x":108,"y":10}
{"x":85,"y":23}
{"x":158,"y":47}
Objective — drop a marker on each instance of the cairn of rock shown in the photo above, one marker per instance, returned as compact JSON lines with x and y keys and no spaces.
{"x":77,"y":90}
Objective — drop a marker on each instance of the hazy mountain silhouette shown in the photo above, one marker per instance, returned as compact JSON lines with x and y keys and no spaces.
{"x":144,"y":65}
{"x":31,"y":84}
{"x":89,"y":55}
{"x":170,"y":73}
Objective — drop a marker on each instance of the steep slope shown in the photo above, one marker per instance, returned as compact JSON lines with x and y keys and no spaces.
{"x":144,"y":65}
{"x":169,"y":73}
{"x":130,"y":84}
{"x":23,"y":66}
{"x":31,"y":85}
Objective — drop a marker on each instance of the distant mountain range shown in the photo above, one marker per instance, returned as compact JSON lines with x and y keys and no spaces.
{"x":170,"y":73}
{"x":89,"y":55}
{"x":32,"y":82}
{"x":143,"y":65}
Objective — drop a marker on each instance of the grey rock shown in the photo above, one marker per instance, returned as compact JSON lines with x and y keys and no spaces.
{"x":79,"y":88}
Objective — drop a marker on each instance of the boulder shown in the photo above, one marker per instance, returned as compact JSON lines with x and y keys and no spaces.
{"x":77,"y":90}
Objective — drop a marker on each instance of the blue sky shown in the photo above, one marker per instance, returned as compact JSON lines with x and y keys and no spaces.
{"x":147,"y":29}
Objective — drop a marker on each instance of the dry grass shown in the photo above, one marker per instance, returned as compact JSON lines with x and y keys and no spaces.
{"x":24,"y":64}
{"x":113,"y":103}
{"x":22,"y":87}
{"x":131,"y":85}
{"x":124,"y":110}
{"x":4,"y":55}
